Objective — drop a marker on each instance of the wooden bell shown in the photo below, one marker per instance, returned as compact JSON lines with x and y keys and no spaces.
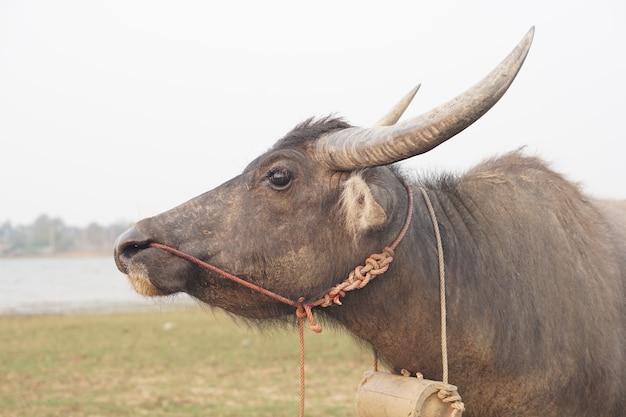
{"x":381,"y":394}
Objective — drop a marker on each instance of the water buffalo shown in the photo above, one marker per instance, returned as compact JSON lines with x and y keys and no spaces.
{"x":535,"y":269}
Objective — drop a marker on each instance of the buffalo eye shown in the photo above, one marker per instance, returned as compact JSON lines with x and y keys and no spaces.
{"x":280,"y":178}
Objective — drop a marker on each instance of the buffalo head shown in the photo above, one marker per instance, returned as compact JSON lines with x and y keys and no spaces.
{"x":303,"y":214}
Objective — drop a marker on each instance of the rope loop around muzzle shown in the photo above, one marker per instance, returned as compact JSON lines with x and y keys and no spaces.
{"x":375,"y":265}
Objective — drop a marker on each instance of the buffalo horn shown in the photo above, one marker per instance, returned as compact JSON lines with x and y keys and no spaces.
{"x":358,"y":148}
{"x":392,"y":117}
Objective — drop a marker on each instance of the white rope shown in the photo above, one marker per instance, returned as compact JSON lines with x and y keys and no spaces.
{"x":445,"y":395}
{"x":442,"y":287}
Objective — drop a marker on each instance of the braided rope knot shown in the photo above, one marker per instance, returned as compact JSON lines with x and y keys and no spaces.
{"x":375,"y":265}
{"x":455,"y":401}
{"x":304,"y":312}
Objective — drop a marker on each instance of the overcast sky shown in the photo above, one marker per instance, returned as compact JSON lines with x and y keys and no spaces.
{"x":118,"y":110}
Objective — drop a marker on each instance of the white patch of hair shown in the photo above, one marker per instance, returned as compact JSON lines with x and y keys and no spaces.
{"x":138,"y":278}
{"x":359,"y":207}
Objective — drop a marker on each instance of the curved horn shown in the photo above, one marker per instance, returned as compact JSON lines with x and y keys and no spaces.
{"x":393,"y":115}
{"x":357,"y":148}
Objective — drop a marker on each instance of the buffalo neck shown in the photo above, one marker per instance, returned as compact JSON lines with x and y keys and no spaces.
{"x":403,"y":302}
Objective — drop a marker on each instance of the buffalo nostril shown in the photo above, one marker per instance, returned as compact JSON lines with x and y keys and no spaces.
{"x":127,"y":245}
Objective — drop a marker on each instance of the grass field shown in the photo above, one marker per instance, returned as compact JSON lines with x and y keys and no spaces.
{"x":170,"y":363}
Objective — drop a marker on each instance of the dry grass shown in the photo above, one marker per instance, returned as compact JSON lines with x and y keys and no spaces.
{"x":172,"y":363}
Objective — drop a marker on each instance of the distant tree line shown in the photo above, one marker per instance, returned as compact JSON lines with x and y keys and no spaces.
{"x":51,"y":236}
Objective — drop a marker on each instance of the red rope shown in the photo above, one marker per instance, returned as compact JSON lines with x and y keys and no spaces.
{"x":223,"y":273}
{"x":302,"y":382}
{"x":375,"y":265}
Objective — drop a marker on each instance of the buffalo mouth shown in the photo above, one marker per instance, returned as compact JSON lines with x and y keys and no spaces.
{"x":150,"y":272}
{"x":153,"y":274}
{"x":141,"y":283}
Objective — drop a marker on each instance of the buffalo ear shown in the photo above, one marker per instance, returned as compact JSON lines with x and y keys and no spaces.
{"x":362,"y":211}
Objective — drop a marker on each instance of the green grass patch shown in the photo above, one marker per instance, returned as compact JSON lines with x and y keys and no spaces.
{"x":170,"y":363}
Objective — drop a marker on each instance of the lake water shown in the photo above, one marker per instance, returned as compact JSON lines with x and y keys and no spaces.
{"x":69,"y":285}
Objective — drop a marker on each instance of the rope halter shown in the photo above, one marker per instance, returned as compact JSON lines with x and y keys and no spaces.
{"x":375,"y":265}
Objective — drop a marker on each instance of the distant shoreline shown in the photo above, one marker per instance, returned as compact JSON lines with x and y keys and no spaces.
{"x":72,"y":283}
{"x":61,"y":255}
